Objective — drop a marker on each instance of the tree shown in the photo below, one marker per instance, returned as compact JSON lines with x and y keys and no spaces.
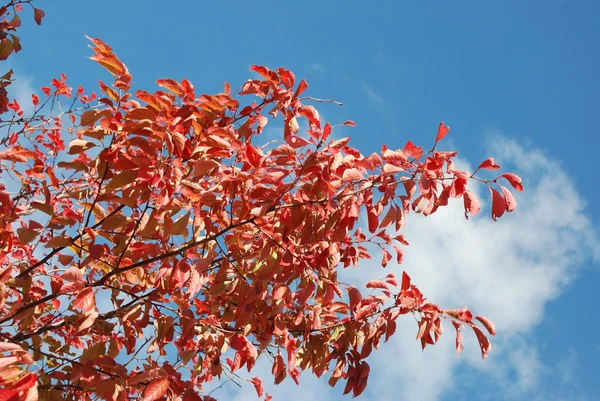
{"x":149,"y":245}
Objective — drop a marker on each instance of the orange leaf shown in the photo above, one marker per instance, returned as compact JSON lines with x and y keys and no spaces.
{"x":17,"y":154}
{"x":171,"y":85}
{"x":89,"y":117}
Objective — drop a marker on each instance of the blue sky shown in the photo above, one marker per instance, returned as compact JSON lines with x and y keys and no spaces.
{"x":517,"y":80}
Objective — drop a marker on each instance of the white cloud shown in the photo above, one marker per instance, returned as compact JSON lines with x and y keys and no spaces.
{"x":22,"y":89}
{"x":507,"y":270}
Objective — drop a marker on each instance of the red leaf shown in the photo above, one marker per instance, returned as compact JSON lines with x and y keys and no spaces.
{"x":410,"y":187}
{"x":287,"y":79}
{"x":266,"y":73}
{"x":296,"y":141}
{"x":38,"y":15}
{"x":399,"y":254}
{"x":484,"y":343}
{"x":471,"y":204}
{"x":405,"y":281}
{"x":442,"y":131}
{"x":355,"y":297}
{"x":7,"y":394}
{"x":360,"y":381}
{"x":511,"y":203}
{"x":458,"y":187}
{"x":349,"y":123}
{"x":514,"y":180}
{"x":352,"y":174}
{"x":25,"y":382}
{"x":499,"y":205}
{"x":312,"y":114}
{"x":253,"y":156}
{"x":156,"y":389}
{"x":386,"y":257}
{"x":487,"y":323}
{"x":390,"y":217}
{"x":302,"y":86}
{"x":393,"y":156}
{"x":377,"y":284}
{"x":391,"y":169}
{"x":85,"y":300}
{"x":390,"y":279}
{"x":488,"y":164}
{"x":373,"y":221}
{"x":459,"y":337}
{"x":258,"y":385}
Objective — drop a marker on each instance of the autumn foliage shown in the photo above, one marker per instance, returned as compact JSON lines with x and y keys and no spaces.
{"x":149,"y":245}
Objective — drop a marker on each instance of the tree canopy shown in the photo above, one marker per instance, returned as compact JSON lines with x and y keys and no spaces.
{"x":150,"y":243}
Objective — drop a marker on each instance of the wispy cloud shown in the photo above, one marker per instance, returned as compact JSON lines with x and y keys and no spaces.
{"x":320,"y":68}
{"x":379,"y":56}
{"x":567,"y":366}
{"x":372,"y":95}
